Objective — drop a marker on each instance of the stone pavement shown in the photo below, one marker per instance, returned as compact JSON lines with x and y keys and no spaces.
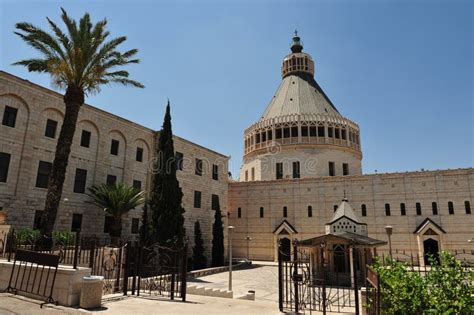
{"x":18,"y":305}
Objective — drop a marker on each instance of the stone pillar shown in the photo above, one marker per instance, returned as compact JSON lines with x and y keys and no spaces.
{"x":351,"y":264}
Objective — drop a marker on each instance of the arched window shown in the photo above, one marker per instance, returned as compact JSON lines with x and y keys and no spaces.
{"x":450,"y":207}
{"x":467,"y":207}
{"x":363,"y":208}
{"x":310,"y":211}
{"x":285,"y":212}
{"x":434,"y":207}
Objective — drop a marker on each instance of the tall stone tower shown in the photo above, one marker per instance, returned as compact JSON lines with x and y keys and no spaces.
{"x":301,"y":134}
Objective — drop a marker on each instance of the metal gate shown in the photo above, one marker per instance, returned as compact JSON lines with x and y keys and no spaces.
{"x":372,"y":285}
{"x":304,"y":287}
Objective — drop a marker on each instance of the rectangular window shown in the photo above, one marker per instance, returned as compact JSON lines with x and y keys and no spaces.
{"x":264,"y":136}
{"x":85,"y":138}
{"x":343,"y":134}
{"x":111,"y":179}
{"x":135,"y":225}
{"x":76,"y":224}
{"x":434,"y":207}
{"x":363,"y":210}
{"x":108,"y":222}
{"x":239,"y":212}
{"x":467,"y":207}
{"x":39,"y":214}
{"x":261,"y":212}
{"x":286,"y":132}
{"x":310,"y":212}
{"x":279,"y":170}
{"x":345,"y":169}
{"x":247,"y":176}
{"x":9,"y":116}
{"x":114,"y":147}
{"x":418,"y":208}
{"x":403,"y":210}
{"x":139,"y":155}
{"x":296,"y":169}
{"x":321,"y":131}
{"x":269,"y":135}
{"x":450,"y":207}
{"x":304,"y":131}
{"x":198,"y":168}
{"x":330,"y":132}
{"x":294,"y":131}
{"x":215,"y":202}
{"x":336,"y":133}
{"x":278,"y":133}
{"x":42,"y":177}
{"x":285,"y":212}
{"x":80,"y":181}
{"x":312,"y":131}
{"x":4,"y":166}
{"x":252,"y":172}
{"x":215,"y":172}
{"x":179,"y":161}
{"x":51,"y":126}
{"x":137,"y":184}
{"x":332,"y":169}
{"x":257,"y":138}
{"x":387,"y":209}
{"x":197,"y":199}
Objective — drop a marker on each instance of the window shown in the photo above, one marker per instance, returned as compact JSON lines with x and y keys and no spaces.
{"x":108,"y":222}
{"x":310,"y":212}
{"x":239,"y":212}
{"x":312,"y":131}
{"x":336,"y":132}
{"x":51,"y":126}
{"x":320,"y":131}
{"x":269,"y":135}
{"x":42,"y":177}
{"x":85,"y":138}
{"x":450,"y":207}
{"x":111,"y":179}
{"x":9,"y":116}
{"x":304,"y":131}
{"x":4,"y":166}
{"x":467,"y":207}
{"x":76,"y":222}
{"x":257,"y":138}
{"x":286,"y":132}
{"x":332,"y":169}
{"x":215,"y":202}
{"x":139,"y":155}
{"x":197,"y":199}
{"x":114,"y":147}
{"x":278,"y":133}
{"x":285,"y":212}
{"x":198,"y":168}
{"x":345,"y":169}
{"x":418,"y":208}
{"x":261,"y":212}
{"x":403,"y":210}
{"x":387,"y":209}
{"x":80,"y":181}
{"x":247,"y":176}
{"x":363,"y":209}
{"x":252,"y":172}
{"x":279,"y":170}
{"x":434,"y":207}
{"x":135,"y":225}
{"x":294,"y":131}
{"x":39,"y":214}
{"x":179,"y":161}
{"x":215,"y":172}
{"x":343,"y":134}
{"x":335,"y":208}
{"x":330,"y":132}
{"x":296,"y":169}
{"x":137,"y":184}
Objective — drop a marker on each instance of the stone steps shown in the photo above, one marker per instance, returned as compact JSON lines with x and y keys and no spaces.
{"x":207,"y":291}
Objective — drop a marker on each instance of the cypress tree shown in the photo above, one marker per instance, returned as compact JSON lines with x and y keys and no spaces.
{"x":145,"y":227}
{"x":217,"y":239}
{"x":199,"y":260}
{"x":167,"y":221}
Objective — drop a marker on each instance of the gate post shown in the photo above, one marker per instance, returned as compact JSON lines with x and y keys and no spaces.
{"x":323,"y":277}
{"x":356,"y":285}
{"x":119,"y":267}
{"x":295,"y":274}
{"x":126,"y":271}
{"x":184,"y":271}
{"x":280,"y":279}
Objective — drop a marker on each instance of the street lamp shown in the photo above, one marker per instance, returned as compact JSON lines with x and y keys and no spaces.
{"x":248,"y":238}
{"x":389,"y":230}
{"x":230,"y":228}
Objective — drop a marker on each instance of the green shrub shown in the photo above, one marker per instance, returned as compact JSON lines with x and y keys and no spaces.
{"x":63,"y":238}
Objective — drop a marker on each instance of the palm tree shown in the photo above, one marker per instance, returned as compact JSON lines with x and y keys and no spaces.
{"x":79,"y":61}
{"x":116,"y":200}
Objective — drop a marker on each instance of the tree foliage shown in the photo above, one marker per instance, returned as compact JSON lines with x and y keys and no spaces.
{"x":167,"y":224}
{"x":199,"y":260}
{"x":217,"y":239}
{"x":445,"y":289}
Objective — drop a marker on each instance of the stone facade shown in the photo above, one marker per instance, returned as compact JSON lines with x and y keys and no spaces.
{"x":27,"y":145}
{"x":375,"y":191}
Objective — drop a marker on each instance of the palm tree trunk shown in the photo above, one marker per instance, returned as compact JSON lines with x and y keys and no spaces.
{"x":116,"y":231}
{"x":73,"y":99}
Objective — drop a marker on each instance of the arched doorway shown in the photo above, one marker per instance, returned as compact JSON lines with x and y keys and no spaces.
{"x":431,"y":249}
{"x":285,"y":247}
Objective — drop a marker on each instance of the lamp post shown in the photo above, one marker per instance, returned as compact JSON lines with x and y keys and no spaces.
{"x":230,"y":228}
{"x":389,"y":230}
{"x":248,"y":239}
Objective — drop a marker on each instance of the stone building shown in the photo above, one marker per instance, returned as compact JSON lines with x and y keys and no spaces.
{"x":106,"y":148}
{"x":302,"y":157}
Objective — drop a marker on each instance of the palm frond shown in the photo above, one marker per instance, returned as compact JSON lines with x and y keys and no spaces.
{"x":116,"y":199}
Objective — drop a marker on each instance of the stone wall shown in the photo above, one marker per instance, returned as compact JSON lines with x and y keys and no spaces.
{"x":375,"y":190}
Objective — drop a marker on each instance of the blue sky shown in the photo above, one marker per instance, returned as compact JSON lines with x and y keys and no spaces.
{"x":403,"y":70}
